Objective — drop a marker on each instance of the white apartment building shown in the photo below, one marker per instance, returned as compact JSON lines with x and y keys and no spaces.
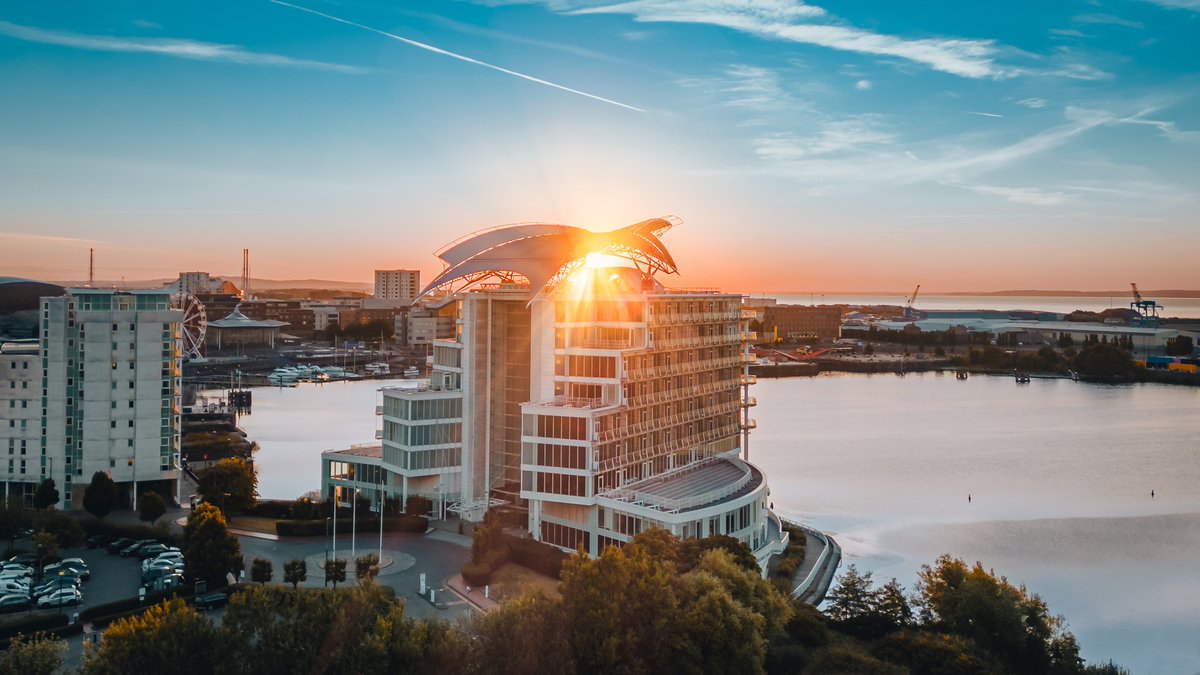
{"x":109,"y":392}
{"x":20,"y":418}
{"x":596,"y":399}
{"x":397,"y":284}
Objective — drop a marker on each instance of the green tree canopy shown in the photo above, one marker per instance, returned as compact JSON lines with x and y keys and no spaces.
{"x":1006,"y":620}
{"x":231,"y":484}
{"x":209,"y":550}
{"x":14,"y":518}
{"x":46,"y":494}
{"x":366,"y":566}
{"x":100,"y":496}
{"x":65,"y":527}
{"x":151,"y":507}
{"x":167,"y":638}
{"x":45,"y":546}
{"x":37,"y":654}
{"x":1105,"y":362}
{"x":261,"y":570}
{"x":335,"y":571}
{"x":295,"y":572}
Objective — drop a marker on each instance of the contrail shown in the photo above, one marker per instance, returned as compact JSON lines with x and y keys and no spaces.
{"x":983,"y":114}
{"x":460,"y":57}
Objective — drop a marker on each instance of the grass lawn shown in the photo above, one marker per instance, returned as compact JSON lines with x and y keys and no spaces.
{"x":511,"y":581}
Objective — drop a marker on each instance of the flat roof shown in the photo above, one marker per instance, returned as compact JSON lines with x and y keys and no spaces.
{"x":365,"y":450}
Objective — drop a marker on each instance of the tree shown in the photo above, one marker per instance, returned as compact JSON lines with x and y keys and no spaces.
{"x":14,"y":519}
{"x":232,"y":484}
{"x":1181,"y":346}
{"x":335,"y":571}
{"x":45,"y":546}
{"x":892,"y":605}
{"x":209,"y":550}
{"x":65,"y":527}
{"x":37,"y":654}
{"x":366,"y":566}
{"x":524,"y":635}
{"x":1104,"y":362}
{"x":46,"y":494}
{"x":151,"y":507}
{"x":295,"y":572}
{"x":261,"y":570}
{"x":1014,"y":626}
{"x":100,"y":496}
{"x":168,"y":637}
{"x":854,"y":597}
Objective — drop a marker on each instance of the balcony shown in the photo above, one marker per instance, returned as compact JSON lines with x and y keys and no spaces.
{"x":747,"y":380}
{"x":378,"y":434}
{"x":378,"y":410}
{"x":750,"y":402}
{"x":749,"y":424}
{"x":572,"y":402}
{"x":749,"y":336}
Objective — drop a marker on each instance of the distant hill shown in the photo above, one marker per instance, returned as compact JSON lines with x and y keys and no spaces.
{"x":255,"y":284}
{"x":1082,"y":294}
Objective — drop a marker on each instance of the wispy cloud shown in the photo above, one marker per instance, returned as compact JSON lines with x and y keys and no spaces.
{"x":1193,"y":5}
{"x":47,"y":239}
{"x":178,"y":48}
{"x":793,"y":21}
{"x":983,"y":114}
{"x":752,"y":87}
{"x":836,"y":136}
{"x":143,"y":23}
{"x":459,"y":57}
{"x":1020,"y":195}
{"x":1168,"y":129}
{"x":1108,"y":19}
{"x":1034,"y":102}
{"x":862,"y":85}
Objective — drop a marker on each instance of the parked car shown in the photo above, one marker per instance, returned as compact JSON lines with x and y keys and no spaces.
{"x":60,"y":598}
{"x":99,"y":540}
{"x":172,"y":557}
{"x":211,"y":600}
{"x":27,"y":559}
{"x":9,"y":565}
{"x":118,"y":545}
{"x":70,"y":565}
{"x":156,"y":549}
{"x":51,"y":585}
{"x":136,"y":547}
{"x":155,"y":573}
{"x":11,"y":586}
{"x":166,"y":583}
{"x":14,"y":602}
{"x":16,"y":573}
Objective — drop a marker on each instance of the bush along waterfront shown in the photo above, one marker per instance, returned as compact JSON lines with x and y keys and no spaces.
{"x":657,"y":605}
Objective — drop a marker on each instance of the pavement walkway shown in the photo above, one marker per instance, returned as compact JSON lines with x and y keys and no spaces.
{"x":476,"y":596}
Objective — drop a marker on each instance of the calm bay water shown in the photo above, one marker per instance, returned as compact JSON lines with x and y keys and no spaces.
{"x":1059,"y":474}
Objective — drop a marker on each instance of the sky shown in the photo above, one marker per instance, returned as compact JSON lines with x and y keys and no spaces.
{"x":827,"y":147}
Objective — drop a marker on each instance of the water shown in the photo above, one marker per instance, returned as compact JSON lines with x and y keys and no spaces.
{"x":1172,"y":307}
{"x":294,"y":425}
{"x":1059,"y":475}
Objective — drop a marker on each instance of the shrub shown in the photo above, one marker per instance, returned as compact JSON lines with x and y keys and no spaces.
{"x":32,"y":623}
{"x":160,"y":532}
{"x":477,"y":574}
{"x":537,"y":556}
{"x":320,"y":527}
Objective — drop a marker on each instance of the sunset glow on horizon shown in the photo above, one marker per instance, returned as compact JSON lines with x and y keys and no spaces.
{"x":806,"y":148}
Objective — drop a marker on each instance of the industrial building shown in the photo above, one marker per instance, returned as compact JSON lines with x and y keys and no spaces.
{"x":594,"y":400}
{"x":802,"y":323}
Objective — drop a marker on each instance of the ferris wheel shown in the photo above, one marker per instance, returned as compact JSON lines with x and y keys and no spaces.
{"x":193,"y":326}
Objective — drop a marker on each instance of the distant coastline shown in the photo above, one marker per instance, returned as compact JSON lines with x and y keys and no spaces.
{"x":1152,"y":293}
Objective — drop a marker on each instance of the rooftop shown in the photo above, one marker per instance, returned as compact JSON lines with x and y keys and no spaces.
{"x":694,"y":486}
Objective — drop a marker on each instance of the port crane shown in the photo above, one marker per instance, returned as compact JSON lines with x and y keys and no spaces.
{"x":1147,"y":310}
{"x":908,"y":302}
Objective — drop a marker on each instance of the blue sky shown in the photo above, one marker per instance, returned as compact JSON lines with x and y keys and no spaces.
{"x":811,"y":147}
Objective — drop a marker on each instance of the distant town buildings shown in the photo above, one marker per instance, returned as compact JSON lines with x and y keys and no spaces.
{"x":802,"y":323}
{"x":596,"y":404}
{"x":397,"y":284}
{"x":97,"y":390}
{"x":201,"y":282}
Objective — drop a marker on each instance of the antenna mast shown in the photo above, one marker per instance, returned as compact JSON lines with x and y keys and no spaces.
{"x":245,"y":274}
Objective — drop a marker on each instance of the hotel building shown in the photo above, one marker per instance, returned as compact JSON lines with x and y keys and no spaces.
{"x":590,"y":397}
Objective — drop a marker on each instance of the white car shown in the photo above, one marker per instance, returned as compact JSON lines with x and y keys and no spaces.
{"x":15,"y":574}
{"x":163,"y":565}
{"x":60,"y":598}
{"x":8,"y":586}
{"x":175,"y":559}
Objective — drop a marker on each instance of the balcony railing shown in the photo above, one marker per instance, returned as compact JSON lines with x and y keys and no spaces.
{"x":571,"y":402}
{"x":638,"y":456}
{"x":680,"y":393}
{"x":682,"y":368}
{"x":601,"y":344}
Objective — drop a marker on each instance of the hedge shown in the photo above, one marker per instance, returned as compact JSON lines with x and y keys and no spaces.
{"x":537,"y":556}
{"x":320,"y":528}
{"x":39,"y":620}
{"x":162,"y":533}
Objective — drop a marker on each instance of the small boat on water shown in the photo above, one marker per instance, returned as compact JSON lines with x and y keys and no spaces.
{"x":411,"y":373}
{"x":961,"y":375}
{"x":378,"y":368}
{"x":1021,"y":378}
